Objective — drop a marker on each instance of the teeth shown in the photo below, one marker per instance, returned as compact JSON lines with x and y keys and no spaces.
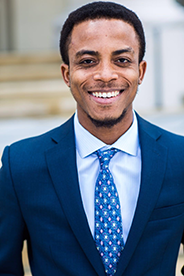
{"x":106,"y":95}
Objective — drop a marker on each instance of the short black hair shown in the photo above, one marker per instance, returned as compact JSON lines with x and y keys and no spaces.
{"x":98,"y":10}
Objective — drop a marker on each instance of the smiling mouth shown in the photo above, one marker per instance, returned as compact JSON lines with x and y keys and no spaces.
{"x":105,"y":95}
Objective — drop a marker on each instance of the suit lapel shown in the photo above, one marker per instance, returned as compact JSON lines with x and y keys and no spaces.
{"x":153,"y":168}
{"x":61,"y":160}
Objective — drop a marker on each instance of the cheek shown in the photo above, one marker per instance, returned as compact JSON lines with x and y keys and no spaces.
{"x":133,"y":84}
{"x":130,"y":77}
{"x":79,"y":79}
{"x":78,"y":84}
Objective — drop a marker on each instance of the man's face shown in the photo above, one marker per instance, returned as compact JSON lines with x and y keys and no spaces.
{"x":104,"y":70}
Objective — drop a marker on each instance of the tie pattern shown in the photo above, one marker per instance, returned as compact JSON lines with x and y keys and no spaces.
{"x":108,"y":222}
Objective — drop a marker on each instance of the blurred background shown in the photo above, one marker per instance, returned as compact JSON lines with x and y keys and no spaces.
{"x":33,"y":97}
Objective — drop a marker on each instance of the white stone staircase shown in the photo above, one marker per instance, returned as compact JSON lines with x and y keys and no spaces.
{"x":32,"y":85}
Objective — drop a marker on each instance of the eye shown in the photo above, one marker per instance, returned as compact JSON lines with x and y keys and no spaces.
{"x":123,"y":60}
{"x":87,"y":62}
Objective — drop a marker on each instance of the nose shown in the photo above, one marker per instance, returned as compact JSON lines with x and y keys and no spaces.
{"x":105,"y":73}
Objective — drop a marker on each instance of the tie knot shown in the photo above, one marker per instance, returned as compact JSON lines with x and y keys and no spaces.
{"x":106,"y":155}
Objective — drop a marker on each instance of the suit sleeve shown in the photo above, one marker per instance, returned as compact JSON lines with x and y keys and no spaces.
{"x":12,"y":226}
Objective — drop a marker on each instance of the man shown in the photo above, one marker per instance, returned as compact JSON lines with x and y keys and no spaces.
{"x":121,"y":216}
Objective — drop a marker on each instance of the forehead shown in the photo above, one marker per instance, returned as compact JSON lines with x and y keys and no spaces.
{"x":103,"y":32}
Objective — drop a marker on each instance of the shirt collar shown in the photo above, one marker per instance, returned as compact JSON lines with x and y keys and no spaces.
{"x":86,"y":143}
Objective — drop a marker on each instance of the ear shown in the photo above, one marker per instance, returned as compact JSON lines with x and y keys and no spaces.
{"x":142,"y":70}
{"x":65,"y":73}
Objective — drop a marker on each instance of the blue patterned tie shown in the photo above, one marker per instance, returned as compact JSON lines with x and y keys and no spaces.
{"x":108,"y":222}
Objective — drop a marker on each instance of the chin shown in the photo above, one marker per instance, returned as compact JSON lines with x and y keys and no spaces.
{"x":107,"y":122}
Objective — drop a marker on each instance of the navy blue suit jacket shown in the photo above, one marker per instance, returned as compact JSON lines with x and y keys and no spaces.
{"x":40,"y":201}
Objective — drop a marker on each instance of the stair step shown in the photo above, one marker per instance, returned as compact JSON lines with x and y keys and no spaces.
{"x":33,"y":89}
{"x":38,"y":98}
{"x":32,"y":85}
{"x":24,"y":108}
{"x":29,"y":72}
{"x":16,"y":58}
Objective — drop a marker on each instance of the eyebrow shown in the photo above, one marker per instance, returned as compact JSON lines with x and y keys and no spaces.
{"x":86,"y":52}
{"x":96,"y":53}
{"x":122,"y":51}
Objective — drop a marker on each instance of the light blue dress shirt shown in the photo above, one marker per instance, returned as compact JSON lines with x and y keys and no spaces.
{"x":125,"y":167}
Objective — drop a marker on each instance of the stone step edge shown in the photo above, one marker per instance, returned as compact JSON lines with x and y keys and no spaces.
{"x":33,"y":58}
{"x":30,"y":77}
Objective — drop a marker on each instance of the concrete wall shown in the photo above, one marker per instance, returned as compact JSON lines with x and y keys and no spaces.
{"x":163,"y":86}
{"x":34,"y":24}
